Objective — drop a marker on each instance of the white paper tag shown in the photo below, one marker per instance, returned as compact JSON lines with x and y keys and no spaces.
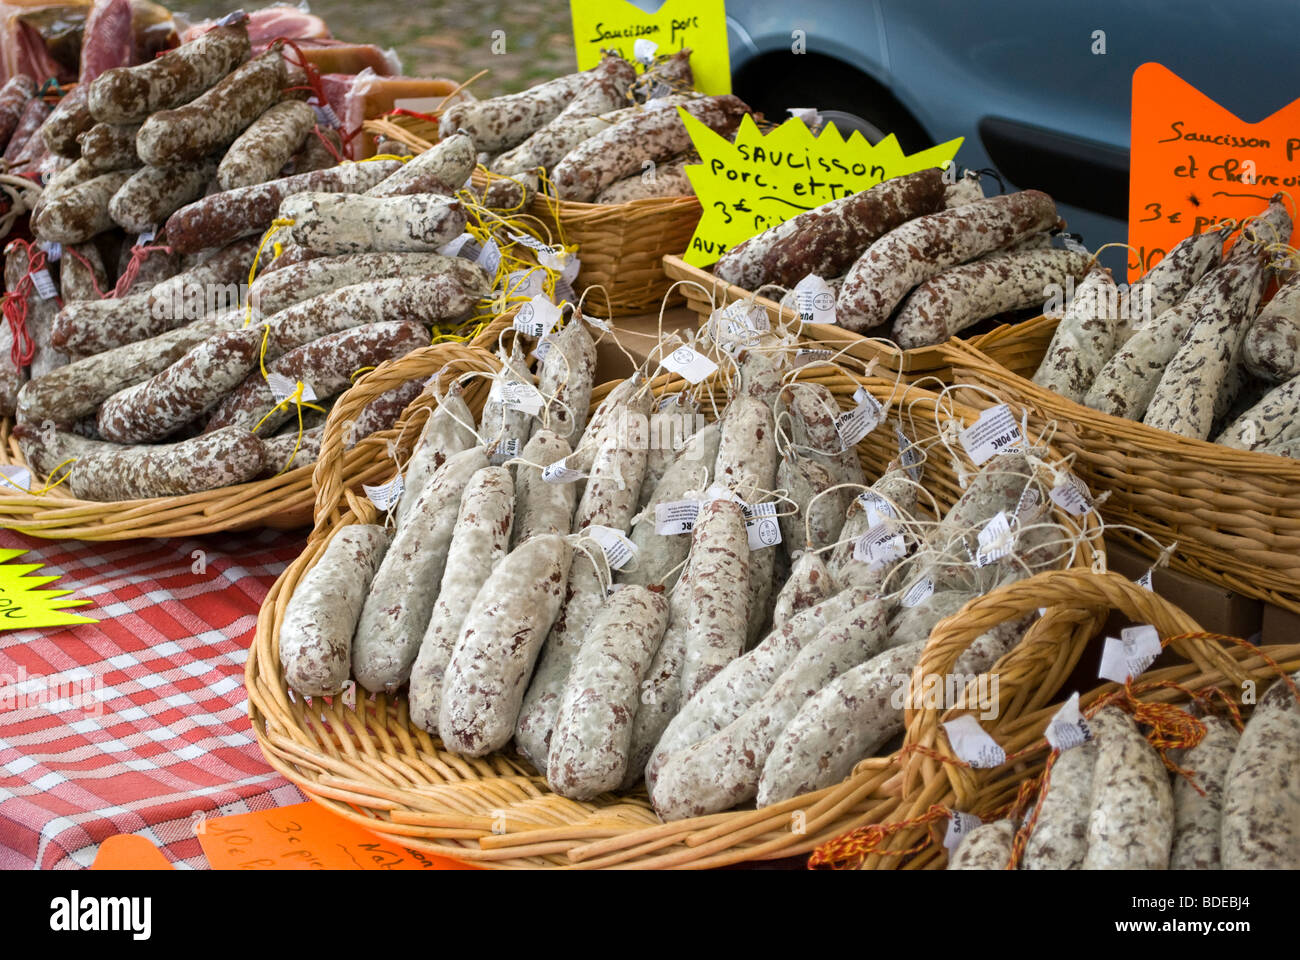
{"x":805,"y":355}
{"x":880,"y":544}
{"x":995,"y":540}
{"x":1130,"y":655}
{"x":561,"y":472}
{"x":959,"y":825}
{"x":809,"y":115}
{"x":877,"y":508}
{"x":53,"y":251}
{"x":692,"y":366}
{"x":908,"y":455}
{"x":504,"y":450}
{"x":532,"y":243}
{"x":1146,"y":581}
{"x":676,"y":517}
{"x":853,"y":425}
{"x":489,"y":257}
{"x":619,"y":550}
{"x":740,"y":320}
{"x":598,"y":323}
{"x":385,"y":495}
{"x":1068,"y":728}
{"x":1030,"y":506}
{"x":516,"y":395}
{"x":644,"y":50}
{"x":972,"y":743}
{"x":1072,"y":496}
{"x":996,"y":431}
{"x":524,"y":283}
{"x":144,"y":239}
{"x":918,"y":593}
{"x":537,"y":317}
{"x":543,"y":348}
{"x":1071,"y":244}
{"x":282,"y":388}
{"x":463,"y":246}
{"x":762,"y":526}
{"x":44,"y":284}
{"x":11,"y":476}
{"x":815,"y":300}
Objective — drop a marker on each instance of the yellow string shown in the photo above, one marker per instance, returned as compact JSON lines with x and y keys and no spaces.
{"x":48,"y":486}
{"x":276,"y":225}
{"x":359,"y":371}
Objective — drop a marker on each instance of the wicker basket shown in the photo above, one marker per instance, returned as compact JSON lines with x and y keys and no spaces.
{"x":1030,"y":691}
{"x":1234,"y":513}
{"x":370,"y":765}
{"x":1011,"y":344}
{"x":285,"y":502}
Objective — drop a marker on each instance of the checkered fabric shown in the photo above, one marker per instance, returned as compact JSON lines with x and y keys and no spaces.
{"x":151,"y":727}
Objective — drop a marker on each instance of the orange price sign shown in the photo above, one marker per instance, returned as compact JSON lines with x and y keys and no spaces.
{"x":1193,"y":164}
{"x":305,"y":836}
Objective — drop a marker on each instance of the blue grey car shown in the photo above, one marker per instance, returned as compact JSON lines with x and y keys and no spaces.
{"x":1040,"y":91}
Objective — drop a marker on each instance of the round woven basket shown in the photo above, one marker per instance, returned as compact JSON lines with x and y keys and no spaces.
{"x":1030,"y":690}
{"x":1234,"y":513}
{"x":1011,"y":344}
{"x":285,"y":502}
{"x":368,"y":764}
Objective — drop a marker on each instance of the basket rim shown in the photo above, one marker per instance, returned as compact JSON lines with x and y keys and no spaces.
{"x":295,"y":751}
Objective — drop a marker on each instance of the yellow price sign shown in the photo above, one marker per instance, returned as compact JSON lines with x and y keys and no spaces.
{"x":23,"y":604}
{"x":617,"y":25}
{"x":760,"y":181}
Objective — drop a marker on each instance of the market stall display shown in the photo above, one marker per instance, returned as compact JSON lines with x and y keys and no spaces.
{"x":705,"y":642}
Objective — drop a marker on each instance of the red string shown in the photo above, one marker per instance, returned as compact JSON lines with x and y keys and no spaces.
{"x":403,"y":112}
{"x":68,"y":251}
{"x":314,"y":82}
{"x":23,"y":349}
{"x":138,"y":255}
{"x":338,"y":158}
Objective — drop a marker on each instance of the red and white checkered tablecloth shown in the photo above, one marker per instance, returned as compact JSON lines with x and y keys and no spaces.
{"x":162,"y":731}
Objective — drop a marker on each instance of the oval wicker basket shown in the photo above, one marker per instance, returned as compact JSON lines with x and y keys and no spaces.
{"x":370,"y":765}
{"x":1234,"y":513}
{"x":1011,"y":344}
{"x":1030,"y":690}
{"x":285,"y":502}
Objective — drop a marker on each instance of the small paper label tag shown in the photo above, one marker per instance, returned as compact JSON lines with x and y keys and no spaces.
{"x":995,"y":540}
{"x":919,"y":592}
{"x":504,"y":450}
{"x":853,"y":425}
{"x":516,"y":395}
{"x":740,"y":320}
{"x":996,"y":431}
{"x":1146,"y":581}
{"x":598,"y":323}
{"x":532,"y":243}
{"x":561,"y":472}
{"x":44,"y":284}
{"x":972,"y":743}
{"x":1071,"y":244}
{"x":325,"y":115}
{"x":959,"y":825}
{"x":880,"y":544}
{"x":908,"y":455}
{"x":690,"y":365}
{"x":1068,"y":728}
{"x":877,"y":508}
{"x":805,"y":355}
{"x":619,"y":550}
{"x":53,"y":251}
{"x":543,"y":348}
{"x":1072,"y":496}
{"x":489,"y":257}
{"x":385,"y":495}
{"x":1030,"y":506}
{"x":1129,"y":656}
{"x":13,"y":476}
{"x":537,"y":317}
{"x":815,"y":300}
{"x":463,"y":246}
{"x":282,"y":388}
{"x":644,"y":50}
{"x":808,"y":115}
{"x":144,"y":239}
{"x":676,"y":517}
{"x":762,"y":526}
{"x":524,"y":283}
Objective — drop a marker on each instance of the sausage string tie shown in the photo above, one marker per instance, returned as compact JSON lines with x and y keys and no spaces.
{"x":138,"y":256}
{"x":849,"y":850}
{"x":295,"y":398}
{"x":278,"y":224}
{"x":23,"y":348}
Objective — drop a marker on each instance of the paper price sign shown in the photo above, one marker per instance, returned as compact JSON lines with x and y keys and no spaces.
{"x":761,"y":181}
{"x":23,"y":604}
{"x":700,"y":25}
{"x":1193,"y":164}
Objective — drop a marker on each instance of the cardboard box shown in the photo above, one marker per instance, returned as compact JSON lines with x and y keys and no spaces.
{"x":638,"y":336}
{"x":1280,"y":626}
{"x":1215,"y":608}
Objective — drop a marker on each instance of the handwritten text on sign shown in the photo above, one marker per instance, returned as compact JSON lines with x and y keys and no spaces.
{"x":1193,"y":164}
{"x":617,"y":25}
{"x":761,"y":181}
